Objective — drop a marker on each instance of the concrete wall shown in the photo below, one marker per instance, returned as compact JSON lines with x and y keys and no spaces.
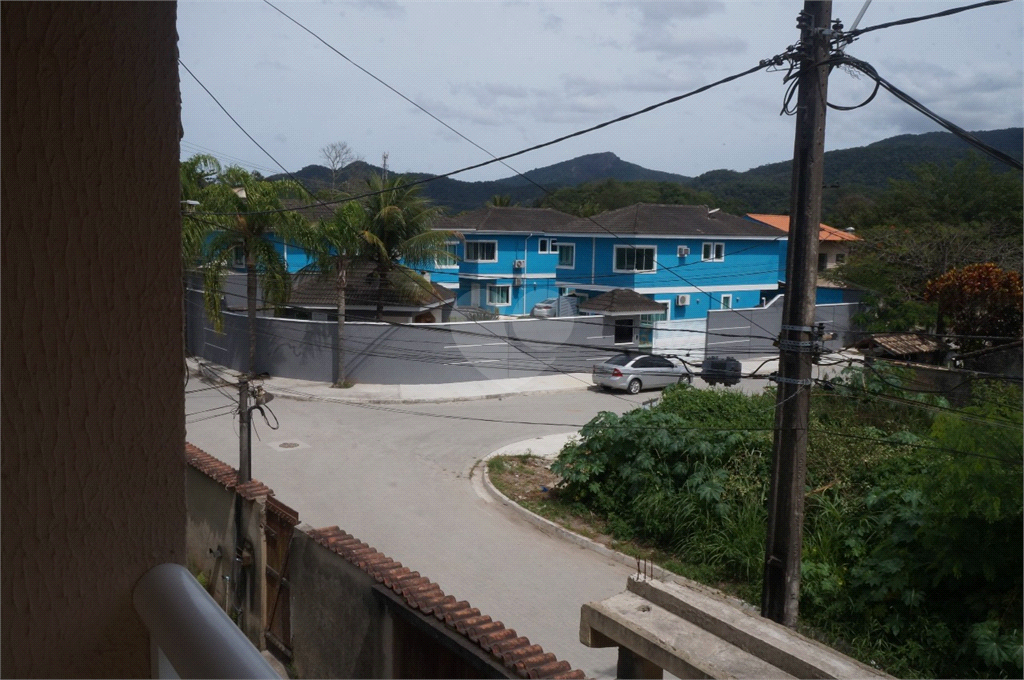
{"x":749,"y":333}
{"x":92,"y":416}
{"x":339,"y":629}
{"x":346,"y":625}
{"x":211,"y":527}
{"x":385,"y":354}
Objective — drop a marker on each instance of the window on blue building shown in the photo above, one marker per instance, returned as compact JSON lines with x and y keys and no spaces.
{"x":499,"y":296}
{"x":634,"y":258}
{"x":566,"y":255}
{"x":481,"y":251}
{"x":451,"y":257}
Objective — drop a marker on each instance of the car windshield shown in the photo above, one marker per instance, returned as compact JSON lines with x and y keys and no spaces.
{"x":549,"y":301}
{"x":620,"y":360}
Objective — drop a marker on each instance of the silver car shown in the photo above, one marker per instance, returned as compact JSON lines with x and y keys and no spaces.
{"x":634,"y":372}
{"x":545,"y":309}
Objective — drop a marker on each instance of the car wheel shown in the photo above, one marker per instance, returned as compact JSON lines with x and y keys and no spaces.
{"x":634,"y":386}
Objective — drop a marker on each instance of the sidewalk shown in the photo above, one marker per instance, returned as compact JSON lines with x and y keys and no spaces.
{"x":292,"y":388}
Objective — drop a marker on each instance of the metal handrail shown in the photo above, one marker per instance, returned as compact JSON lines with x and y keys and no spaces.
{"x":190,"y":629}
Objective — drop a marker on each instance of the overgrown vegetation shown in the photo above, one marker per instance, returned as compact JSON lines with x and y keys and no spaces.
{"x":912,"y":553}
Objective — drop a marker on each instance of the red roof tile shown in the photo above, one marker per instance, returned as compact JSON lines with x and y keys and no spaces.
{"x":224,"y":474}
{"x":421,"y":594}
{"x":825,"y":232}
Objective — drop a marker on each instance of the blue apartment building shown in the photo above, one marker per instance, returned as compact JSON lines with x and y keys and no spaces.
{"x":687,"y":258}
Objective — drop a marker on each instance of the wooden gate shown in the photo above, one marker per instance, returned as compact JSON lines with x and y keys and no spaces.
{"x":281,"y":521}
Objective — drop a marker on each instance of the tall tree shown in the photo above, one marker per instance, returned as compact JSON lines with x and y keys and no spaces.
{"x":338,"y":155}
{"x":194,"y":176}
{"x":979,"y":300}
{"x":947,"y":218}
{"x":250,"y":219}
{"x":333,"y":245}
{"x":500,"y":201}
{"x":398,"y":232}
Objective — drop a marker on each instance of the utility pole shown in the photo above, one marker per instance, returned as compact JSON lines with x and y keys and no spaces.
{"x":244,"y":432}
{"x":781,"y":595}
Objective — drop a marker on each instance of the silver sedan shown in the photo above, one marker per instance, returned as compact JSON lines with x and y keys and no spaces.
{"x":634,"y":372}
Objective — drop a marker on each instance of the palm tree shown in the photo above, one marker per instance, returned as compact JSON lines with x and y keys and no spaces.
{"x":500,"y":201}
{"x":398,"y":233}
{"x":194,"y":175}
{"x":333,"y":244}
{"x":249,"y":218}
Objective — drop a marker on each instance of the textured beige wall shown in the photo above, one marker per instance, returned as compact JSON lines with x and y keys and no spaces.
{"x":92,"y":406}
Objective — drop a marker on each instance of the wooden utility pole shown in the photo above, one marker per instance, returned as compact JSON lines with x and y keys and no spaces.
{"x":781,"y":595}
{"x":244,"y":432}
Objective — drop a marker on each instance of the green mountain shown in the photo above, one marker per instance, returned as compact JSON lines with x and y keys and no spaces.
{"x":865,"y":171}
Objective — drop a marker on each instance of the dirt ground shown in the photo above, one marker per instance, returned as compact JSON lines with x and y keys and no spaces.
{"x":528,"y":481}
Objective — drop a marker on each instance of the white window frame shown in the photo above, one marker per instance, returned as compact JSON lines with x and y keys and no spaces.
{"x":543,"y":245}
{"x":452,"y":261}
{"x":495,"y":287}
{"x":477,"y":245}
{"x":725,"y":302}
{"x":712,"y":251}
{"x":572,"y":260}
{"x":634,"y":270}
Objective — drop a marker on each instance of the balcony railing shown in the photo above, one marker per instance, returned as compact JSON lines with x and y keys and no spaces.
{"x":191,"y":636}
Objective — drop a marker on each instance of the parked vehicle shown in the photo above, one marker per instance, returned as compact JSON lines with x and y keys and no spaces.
{"x":564,"y":305}
{"x":545,"y":308}
{"x":635,"y":372}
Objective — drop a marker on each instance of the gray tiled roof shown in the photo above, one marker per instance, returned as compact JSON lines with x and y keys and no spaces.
{"x":541,"y":220}
{"x":313,"y":213}
{"x":309,"y":288}
{"x":641,"y":219}
{"x":621,"y":301}
{"x":650,"y":219}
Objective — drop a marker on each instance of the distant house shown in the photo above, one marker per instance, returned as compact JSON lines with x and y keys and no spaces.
{"x":628,"y":315}
{"x":833,"y":250}
{"x":902,"y":346}
{"x":687,"y":259}
{"x":314,"y":297}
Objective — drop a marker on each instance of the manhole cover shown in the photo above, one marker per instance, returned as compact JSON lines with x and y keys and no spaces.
{"x":288,"y":445}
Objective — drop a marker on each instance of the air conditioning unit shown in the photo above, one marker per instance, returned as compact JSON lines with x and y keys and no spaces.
{"x":683,"y":300}
{"x":517,"y":280}
{"x":518,"y":264}
{"x":683,"y":251}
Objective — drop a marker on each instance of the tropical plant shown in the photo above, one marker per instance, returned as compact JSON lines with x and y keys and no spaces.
{"x":399,"y":235}
{"x":249,"y":219}
{"x":333,"y":245}
{"x":500,"y":201}
{"x":979,"y":300}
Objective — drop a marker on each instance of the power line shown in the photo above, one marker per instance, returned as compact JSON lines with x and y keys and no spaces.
{"x":866,"y":68}
{"x":912,"y":20}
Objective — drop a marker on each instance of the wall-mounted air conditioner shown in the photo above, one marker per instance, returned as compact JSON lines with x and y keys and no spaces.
{"x":517,"y":280}
{"x":518,"y":264}
{"x":683,"y":251}
{"x":683,"y":300}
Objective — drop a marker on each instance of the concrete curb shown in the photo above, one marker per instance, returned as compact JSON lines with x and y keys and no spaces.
{"x":557,"y":530}
{"x":375,"y":394}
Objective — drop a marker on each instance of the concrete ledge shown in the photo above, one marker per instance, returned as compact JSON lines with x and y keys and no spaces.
{"x":676,"y":645}
{"x":778,"y":645}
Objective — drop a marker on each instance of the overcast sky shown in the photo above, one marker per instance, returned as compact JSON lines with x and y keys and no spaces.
{"x":509,"y":75}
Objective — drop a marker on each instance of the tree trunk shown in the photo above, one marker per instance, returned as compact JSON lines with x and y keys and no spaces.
{"x":381,"y":274}
{"x":250,"y":293}
{"x":341,"y":287}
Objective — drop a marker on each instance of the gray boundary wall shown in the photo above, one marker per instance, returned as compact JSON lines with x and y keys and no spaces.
{"x":749,"y":333}
{"x":387,"y":354}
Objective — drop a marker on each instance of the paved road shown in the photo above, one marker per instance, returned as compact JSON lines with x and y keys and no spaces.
{"x":400,"y":481}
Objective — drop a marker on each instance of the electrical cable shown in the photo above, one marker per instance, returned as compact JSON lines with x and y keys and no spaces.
{"x":856,"y":33}
{"x":869,"y":70}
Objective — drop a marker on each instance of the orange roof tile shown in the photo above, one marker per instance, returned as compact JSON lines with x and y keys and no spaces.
{"x":224,"y":474}
{"x":504,"y":644}
{"x":826,"y":232}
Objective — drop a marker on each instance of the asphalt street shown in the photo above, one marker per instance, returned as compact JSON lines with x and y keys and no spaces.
{"x":398,"y":477}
